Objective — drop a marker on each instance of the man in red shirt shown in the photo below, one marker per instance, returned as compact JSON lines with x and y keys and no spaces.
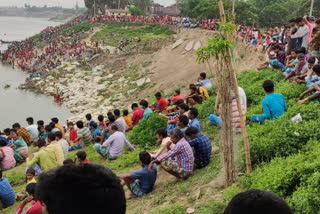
{"x":176,"y":96}
{"x":137,"y":114}
{"x":162,"y":103}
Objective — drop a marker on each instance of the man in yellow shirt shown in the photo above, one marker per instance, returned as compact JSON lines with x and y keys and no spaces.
{"x":202,"y":92}
{"x":45,"y":157}
{"x":56,"y":147}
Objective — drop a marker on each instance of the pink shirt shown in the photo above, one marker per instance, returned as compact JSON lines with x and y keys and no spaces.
{"x":9,"y":161}
{"x":310,"y":26}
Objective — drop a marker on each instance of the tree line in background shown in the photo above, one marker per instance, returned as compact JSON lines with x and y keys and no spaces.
{"x":259,"y":13}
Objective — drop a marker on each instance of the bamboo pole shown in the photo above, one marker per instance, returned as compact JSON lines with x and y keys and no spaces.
{"x":236,"y":91}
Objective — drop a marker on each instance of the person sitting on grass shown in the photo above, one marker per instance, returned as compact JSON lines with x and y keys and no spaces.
{"x":81,"y":157}
{"x":63,"y":143}
{"x":120,"y":120}
{"x":84,"y":136}
{"x":22,"y":132}
{"x":56,"y":147}
{"x":128,"y":119}
{"x":163,"y":140}
{"x":101,"y":187}
{"x":273,"y":104}
{"x":194,"y":122}
{"x":30,"y":178}
{"x":7,"y":195}
{"x":179,"y":160}
{"x":202,"y":92}
{"x":137,"y":114}
{"x":176,"y":96}
{"x":102,"y":122}
{"x":42,"y":132}
{"x":301,"y":67}
{"x":193,"y":98}
{"x":7,"y":156}
{"x":257,"y":201}
{"x":202,"y":147}
{"x":161,"y":103}
{"x":141,"y":182}
{"x":57,"y":125}
{"x":313,"y":81}
{"x":73,"y":135}
{"x":112,"y":148}
{"x":95,"y":131}
{"x":35,"y":207}
{"x":19,"y":145}
{"x":146,"y":110}
{"x":89,"y":121}
{"x":204,"y":82}
{"x":33,"y":130}
{"x":45,"y":158}
{"x":183,"y":123}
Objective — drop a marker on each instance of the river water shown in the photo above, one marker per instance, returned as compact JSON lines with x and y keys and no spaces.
{"x":15,"y":104}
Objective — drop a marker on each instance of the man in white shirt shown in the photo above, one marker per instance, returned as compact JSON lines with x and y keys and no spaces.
{"x":120,"y":120}
{"x":243,"y":98}
{"x":32,"y":129}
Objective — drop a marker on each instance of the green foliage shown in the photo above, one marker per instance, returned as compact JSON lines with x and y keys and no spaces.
{"x":231,"y":192}
{"x":82,"y":27}
{"x":144,"y":133}
{"x":136,"y":11}
{"x":210,"y":208}
{"x":206,"y":108}
{"x":295,"y":178}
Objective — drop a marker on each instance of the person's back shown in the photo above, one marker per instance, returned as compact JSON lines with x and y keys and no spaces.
{"x":122,"y":124}
{"x":33,"y":132}
{"x":65,"y":146}
{"x":56,"y":147}
{"x":81,"y":189}
{"x":274,"y":106}
{"x":7,"y":195}
{"x":8,"y":161}
{"x":116,"y":146}
{"x":85,"y":134}
{"x":137,"y":116}
{"x":146,"y":178}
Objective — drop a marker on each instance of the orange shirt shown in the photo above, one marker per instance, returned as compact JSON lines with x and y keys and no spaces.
{"x":128,"y":120}
{"x":59,"y":126}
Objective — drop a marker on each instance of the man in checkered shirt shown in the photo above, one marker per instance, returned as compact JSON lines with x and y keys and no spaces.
{"x":179,"y":160}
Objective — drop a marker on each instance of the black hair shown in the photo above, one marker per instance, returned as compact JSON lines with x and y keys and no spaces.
{"x":184,"y":119}
{"x":40,"y":123}
{"x":13,"y":130}
{"x":30,"y":120}
{"x":67,"y":161}
{"x":41,"y":142}
{"x":203,"y":75}
{"x":191,"y":130}
{"x":177,"y":91}
{"x":52,"y":124}
{"x":70,"y":124}
{"x":116,"y":112}
{"x":101,"y":187}
{"x":193,"y":87}
{"x":178,"y":102}
{"x":300,"y":19}
{"x":134,"y":105}
{"x":158,"y":94}
{"x":48,"y":128}
{"x":58,"y":134}
{"x":275,"y":46}
{"x":79,"y":124}
{"x":316,"y":69}
{"x":125,"y":112}
{"x":6,"y":131}
{"x":0,"y":173}
{"x":52,"y":136}
{"x":31,"y":171}
{"x":82,"y":155}
{"x":194,"y":112}
{"x":114,"y":127}
{"x":16,"y":125}
{"x":145,"y":158}
{"x":268,"y":86}
{"x":88,"y":116}
{"x":55,"y":120}
{"x":312,"y":60}
{"x":3,"y":143}
{"x":257,"y":201}
{"x":318,"y":22}
{"x":176,"y":132}
{"x":184,"y":106}
{"x":100,"y":118}
{"x":292,"y":20}
{"x":111,"y":118}
{"x":162,"y":132}
{"x":109,"y":113}
{"x":94,"y":125}
{"x":31,"y":188}
{"x":144,"y":103}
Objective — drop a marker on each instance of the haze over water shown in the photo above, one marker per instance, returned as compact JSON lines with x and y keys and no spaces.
{"x":15,"y":104}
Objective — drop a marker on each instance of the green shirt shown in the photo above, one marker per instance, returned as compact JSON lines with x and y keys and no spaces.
{"x":146,"y":113}
{"x":46,"y":158}
{"x":19,"y":143}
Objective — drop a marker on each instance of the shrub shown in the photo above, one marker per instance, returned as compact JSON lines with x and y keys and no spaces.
{"x":282,"y":137}
{"x":284,"y":175}
{"x":172,"y":209}
{"x":144,"y":133}
{"x":206,"y":108}
{"x":83,"y":26}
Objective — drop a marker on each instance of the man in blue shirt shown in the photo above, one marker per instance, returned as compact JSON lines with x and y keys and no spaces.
{"x":90,"y":120}
{"x":273,"y":104}
{"x":7,"y":195}
{"x":141,"y":182}
{"x":204,"y":82}
{"x":202,"y":147}
{"x":194,"y":122}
